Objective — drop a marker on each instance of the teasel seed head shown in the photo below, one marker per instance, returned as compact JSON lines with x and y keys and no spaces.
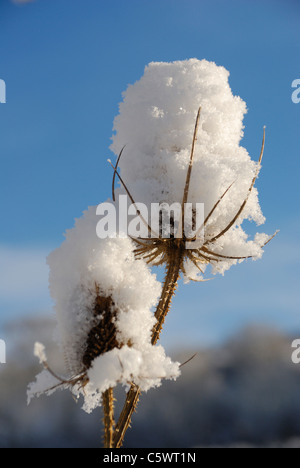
{"x":102,"y":337}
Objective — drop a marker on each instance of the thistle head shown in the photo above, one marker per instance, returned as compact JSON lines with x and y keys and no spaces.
{"x":178,"y":152}
{"x":103,"y":301}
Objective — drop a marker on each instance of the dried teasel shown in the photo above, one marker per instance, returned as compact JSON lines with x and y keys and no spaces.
{"x":104,"y":325}
{"x":172,"y":252}
{"x":171,"y":159}
{"x":102,"y":337}
{"x":103,"y":295}
{"x":168,"y":160}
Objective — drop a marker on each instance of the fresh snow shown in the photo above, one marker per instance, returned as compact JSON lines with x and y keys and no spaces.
{"x":156,"y":122}
{"x":82,"y":261}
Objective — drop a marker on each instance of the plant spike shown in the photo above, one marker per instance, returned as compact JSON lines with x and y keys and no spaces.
{"x":130,"y":196}
{"x":241,"y":209}
{"x":189,"y":171}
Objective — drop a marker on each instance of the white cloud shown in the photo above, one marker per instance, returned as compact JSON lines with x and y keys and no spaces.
{"x":23,"y":1}
{"x":23,"y":280}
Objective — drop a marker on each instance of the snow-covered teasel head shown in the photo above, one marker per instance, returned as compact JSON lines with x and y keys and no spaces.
{"x":169,"y":159}
{"x":103,"y":300}
{"x":177,"y":138}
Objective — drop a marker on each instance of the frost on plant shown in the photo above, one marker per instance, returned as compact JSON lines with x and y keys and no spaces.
{"x":156,"y":121}
{"x":103,"y":299}
{"x":182,"y":128}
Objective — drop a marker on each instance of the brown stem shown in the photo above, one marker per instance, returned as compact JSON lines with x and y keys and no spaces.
{"x":169,"y":289}
{"x":163,"y":307}
{"x":108,"y":417}
{"x":123,"y":424}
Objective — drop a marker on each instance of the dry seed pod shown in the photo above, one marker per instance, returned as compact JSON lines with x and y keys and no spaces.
{"x":104,"y":325}
{"x":174,"y":155}
{"x":102,"y":338}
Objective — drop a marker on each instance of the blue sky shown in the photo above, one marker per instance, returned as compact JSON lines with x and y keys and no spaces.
{"x":66,"y":63}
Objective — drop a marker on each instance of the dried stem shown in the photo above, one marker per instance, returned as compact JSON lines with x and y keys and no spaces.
{"x":169,"y":289}
{"x":175,"y":253}
{"x":163,"y":307}
{"x":123,"y":424}
{"x":108,"y":417}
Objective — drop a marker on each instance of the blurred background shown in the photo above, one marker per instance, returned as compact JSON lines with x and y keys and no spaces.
{"x":65,"y":64}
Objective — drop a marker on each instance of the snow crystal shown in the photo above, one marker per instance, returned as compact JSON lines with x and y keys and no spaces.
{"x":39,"y":352}
{"x":44,"y":383}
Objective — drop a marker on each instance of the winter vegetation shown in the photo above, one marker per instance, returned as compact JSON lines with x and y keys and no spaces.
{"x":176,"y":140}
{"x":156,"y":122}
{"x":113,"y":319}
